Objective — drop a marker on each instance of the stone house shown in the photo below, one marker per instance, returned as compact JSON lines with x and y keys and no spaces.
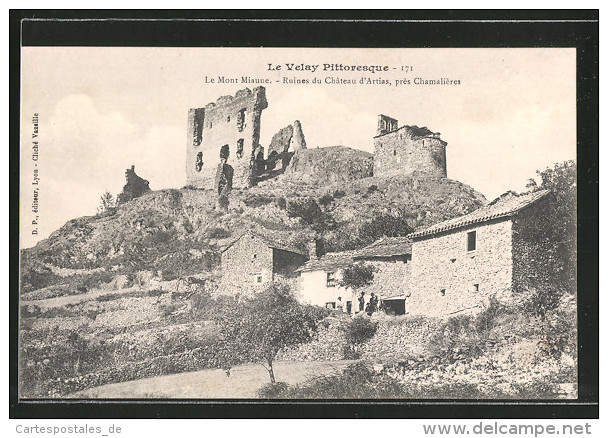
{"x":407,"y":150}
{"x":391,"y":256}
{"x":495,"y":250}
{"x":230,"y":124}
{"x":252,"y":261}
{"x":319,"y":281}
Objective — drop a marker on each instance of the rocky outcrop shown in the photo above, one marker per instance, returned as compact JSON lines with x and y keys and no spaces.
{"x":331,"y":164}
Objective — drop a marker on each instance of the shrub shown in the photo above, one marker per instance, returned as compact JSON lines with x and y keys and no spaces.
{"x":542,"y":300}
{"x":486,"y":319}
{"x":325,"y":200}
{"x":339,"y":194}
{"x":223,"y":202}
{"x":255,"y":201}
{"x":272,"y":390}
{"x":384,"y":224}
{"x":311,"y":214}
{"x":281,"y":203}
{"x":372,"y":188}
{"x":356,"y":381}
{"x":359,"y":330}
{"x":219,"y":233}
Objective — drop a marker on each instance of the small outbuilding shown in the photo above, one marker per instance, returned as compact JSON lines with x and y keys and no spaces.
{"x":253,"y":260}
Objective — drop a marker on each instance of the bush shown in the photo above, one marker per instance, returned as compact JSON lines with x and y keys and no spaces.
{"x":486,"y":320}
{"x":339,"y":194}
{"x":373,"y":188}
{"x":542,"y":300}
{"x":325,"y":200}
{"x":219,"y":233}
{"x":384,"y":224}
{"x":255,"y":201}
{"x":223,"y":202}
{"x":282,"y":203}
{"x":311,"y":214}
{"x":359,"y":330}
{"x":356,"y":381}
{"x":272,"y":390}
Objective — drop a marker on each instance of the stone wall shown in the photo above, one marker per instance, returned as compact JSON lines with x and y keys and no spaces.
{"x":244,"y":261}
{"x":288,"y":139}
{"x":395,"y":337}
{"x":392,"y":277}
{"x":409,"y":150}
{"x":233,"y":121}
{"x":444,"y":273}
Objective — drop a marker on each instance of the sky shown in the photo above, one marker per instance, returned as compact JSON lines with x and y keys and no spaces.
{"x":101,"y":110}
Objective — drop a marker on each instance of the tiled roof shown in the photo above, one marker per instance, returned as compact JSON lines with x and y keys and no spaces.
{"x":329,"y":262}
{"x":386,"y":247}
{"x":506,"y":205}
{"x":271,"y":242}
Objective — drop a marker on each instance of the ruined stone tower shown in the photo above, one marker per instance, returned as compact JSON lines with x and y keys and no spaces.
{"x":232,"y":122}
{"x":407,"y":150}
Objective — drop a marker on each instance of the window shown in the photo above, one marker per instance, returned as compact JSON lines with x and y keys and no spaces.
{"x":241,"y":119}
{"x":471,"y":240}
{"x":476,"y":287}
{"x":331,"y":279}
{"x":228,"y":119}
{"x":331,"y":305}
{"x":257,"y":278}
{"x":442,"y":291}
{"x":199,"y":161}
{"x":239,"y":148}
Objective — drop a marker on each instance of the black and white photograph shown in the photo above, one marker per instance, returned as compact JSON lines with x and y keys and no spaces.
{"x":276,"y":224}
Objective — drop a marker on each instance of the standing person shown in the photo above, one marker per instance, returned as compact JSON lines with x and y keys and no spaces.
{"x":361,"y":301}
{"x":373,"y":303}
{"x":340,"y":305}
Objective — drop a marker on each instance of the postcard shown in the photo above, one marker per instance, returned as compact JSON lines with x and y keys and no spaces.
{"x":298,"y":223}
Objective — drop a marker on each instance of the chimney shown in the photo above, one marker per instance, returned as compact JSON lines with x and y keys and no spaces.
{"x":312,"y":250}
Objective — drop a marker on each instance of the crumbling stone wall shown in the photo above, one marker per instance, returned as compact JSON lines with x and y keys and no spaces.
{"x":444,"y":273}
{"x":134,"y":188}
{"x":246,"y":260}
{"x":408,"y":150}
{"x":232,"y":121}
{"x":288,"y":139}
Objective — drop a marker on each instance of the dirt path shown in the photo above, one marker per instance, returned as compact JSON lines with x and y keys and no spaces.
{"x":243,"y":382}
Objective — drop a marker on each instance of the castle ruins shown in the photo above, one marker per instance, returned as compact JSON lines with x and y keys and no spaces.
{"x":407,"y":150}
{"x":232,"y":125}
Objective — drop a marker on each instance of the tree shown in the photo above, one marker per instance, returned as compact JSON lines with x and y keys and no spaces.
{"x":256,"y":329}
{"x":357,"y":276}
{"x":106,"y":203}
{"x":561,"y":181}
